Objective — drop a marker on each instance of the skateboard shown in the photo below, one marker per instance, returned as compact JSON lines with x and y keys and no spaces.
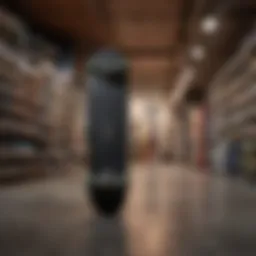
{"x":107,"y":93}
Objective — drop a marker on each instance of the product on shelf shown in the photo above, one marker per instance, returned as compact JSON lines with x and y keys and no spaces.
{"x":232,"y":99}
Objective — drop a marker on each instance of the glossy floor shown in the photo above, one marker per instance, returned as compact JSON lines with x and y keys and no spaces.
{"x":169,"y":212}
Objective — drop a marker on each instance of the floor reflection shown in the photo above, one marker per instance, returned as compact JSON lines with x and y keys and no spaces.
{"x":169,"y":211}
{"x":105,"y":237}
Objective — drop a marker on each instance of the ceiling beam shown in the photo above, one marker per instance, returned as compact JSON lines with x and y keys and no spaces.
{"x":167,"y":52}
{"x":188,"y":7}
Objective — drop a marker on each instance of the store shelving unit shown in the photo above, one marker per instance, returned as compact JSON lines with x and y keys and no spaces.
{"x":26,"y":101}
{"x":232,"y":97}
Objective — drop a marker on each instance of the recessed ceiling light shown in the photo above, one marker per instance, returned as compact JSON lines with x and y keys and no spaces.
{"x":197,"y":52}
{"x":209,"y":25}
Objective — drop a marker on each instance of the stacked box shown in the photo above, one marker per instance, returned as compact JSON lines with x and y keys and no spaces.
{"x":41,"y":109}
{"x":20,"y":92}
{"x":26,"y":79}
{"x":59,"y":108}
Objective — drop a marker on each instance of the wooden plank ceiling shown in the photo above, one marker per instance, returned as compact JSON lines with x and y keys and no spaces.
{"x":85,"y":21}
{"x":147,"y":31}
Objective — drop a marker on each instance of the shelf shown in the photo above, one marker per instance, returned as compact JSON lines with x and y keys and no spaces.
{"x":9,"y":127}
{"x":21,"y":96}
{"x":232,"y":97}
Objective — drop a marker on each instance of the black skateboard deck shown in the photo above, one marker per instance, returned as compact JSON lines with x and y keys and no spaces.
{"x":107,"y":130}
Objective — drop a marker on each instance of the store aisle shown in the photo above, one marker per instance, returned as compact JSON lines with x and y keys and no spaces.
{"x":169,"y":211}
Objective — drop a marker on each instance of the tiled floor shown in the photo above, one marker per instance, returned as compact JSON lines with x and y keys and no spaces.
{"x":169,"y":212}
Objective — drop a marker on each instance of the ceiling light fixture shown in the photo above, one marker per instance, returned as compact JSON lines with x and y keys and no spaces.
{"x":197,"y":52}
{"x":209,"y":25}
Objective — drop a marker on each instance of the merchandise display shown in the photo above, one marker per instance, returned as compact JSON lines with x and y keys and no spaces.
{"x":232,"y":98}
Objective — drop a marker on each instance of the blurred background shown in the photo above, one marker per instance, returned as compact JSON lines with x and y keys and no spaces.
{"x":192,"y":120}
